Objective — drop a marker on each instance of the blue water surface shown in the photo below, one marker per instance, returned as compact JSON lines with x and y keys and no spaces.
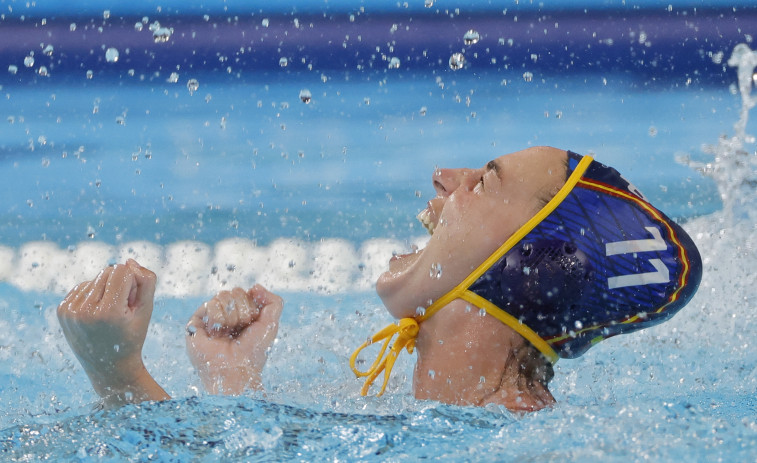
{"x":239,"y":181}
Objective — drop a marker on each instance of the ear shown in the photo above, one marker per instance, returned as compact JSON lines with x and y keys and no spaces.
{"x":545,"y":273}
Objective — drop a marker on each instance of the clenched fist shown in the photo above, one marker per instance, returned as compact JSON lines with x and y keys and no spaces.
{"x":228,"y":338}
{"x":105,"y":322}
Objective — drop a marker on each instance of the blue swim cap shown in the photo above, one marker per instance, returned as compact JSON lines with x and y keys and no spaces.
{"x":598,"y":260}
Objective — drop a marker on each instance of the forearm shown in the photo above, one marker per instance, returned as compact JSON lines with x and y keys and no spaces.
{"x":137,"y":388}
{"x":230,"y":380}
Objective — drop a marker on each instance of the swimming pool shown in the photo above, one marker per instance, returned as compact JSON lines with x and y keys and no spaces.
{"x":239,"y":180}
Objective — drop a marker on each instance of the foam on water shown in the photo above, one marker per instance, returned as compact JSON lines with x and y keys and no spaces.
{"x":193,"y":268}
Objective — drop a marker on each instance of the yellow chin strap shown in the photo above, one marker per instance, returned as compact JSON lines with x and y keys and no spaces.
{"x":407,"y":328}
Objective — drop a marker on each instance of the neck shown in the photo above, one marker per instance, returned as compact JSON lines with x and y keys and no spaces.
{"x":466,"y":358}
{"x":523,"y":384}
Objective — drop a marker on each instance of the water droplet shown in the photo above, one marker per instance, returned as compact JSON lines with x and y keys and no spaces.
{"x":283,"y":62}
{"x":29,"y":61}
{"x":653,"y":131}
{"x":72,"y":27}
{"x":13,"y":69}
{"x":367,"y":101}
{"x":420,"y":311}
{"x":578,"y":324}
{"x":436,"y":271}
{"x":116,"y":347}
{"x":482,"y":380}
{"x":138,"y":26}
{"x":192,"y":86}
{"x":206,"y":17}
{"x":456,"y":61}
{"x":481,"y":312}
{"x":394,"y":63}
{"x":423,"y":110}
{"x":431,"y":374}
{"x":42,"y":71}
{"x":265,"y":22}
{"x":90,"y":74}
{"x":471,"y":37}
{"x":527,"y":76}
{"x":154,"y":26}
{"x":120,"y":120}
{"x":162,"y":34}
{"x":191,"y":330}
{"x":428,"y":3}
{"x":173,"y":78}
{"x":111,"y":55}
{"x":106,"y":14}
{"x":48,"y":50}
{"x":90,"y":232}
{"x":208,"y":97}
{"x":305,"y":95}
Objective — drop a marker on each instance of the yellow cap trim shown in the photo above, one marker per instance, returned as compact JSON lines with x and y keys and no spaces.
{"x":512,"y":322}
{"x":524,"y":230}
{"x":407,"y":328}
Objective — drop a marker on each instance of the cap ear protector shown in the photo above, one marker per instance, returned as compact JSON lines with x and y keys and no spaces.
{"x":544,"y":273}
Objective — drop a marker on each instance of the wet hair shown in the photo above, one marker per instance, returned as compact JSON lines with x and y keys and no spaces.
{"x":532,"y":365}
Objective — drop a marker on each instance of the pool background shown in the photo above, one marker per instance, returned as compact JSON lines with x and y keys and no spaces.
{"x":240,"y":181}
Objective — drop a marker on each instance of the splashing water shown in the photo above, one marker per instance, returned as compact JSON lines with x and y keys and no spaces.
{"x":456,"y":61}
{"x":111,"y":55}
{"x":305,"y":96}
{"x":162,"y":34}
{"x":192,"y":86}
{"x":733,"y":167}
{"x":698,"y":400}
{"x":471,"y":37}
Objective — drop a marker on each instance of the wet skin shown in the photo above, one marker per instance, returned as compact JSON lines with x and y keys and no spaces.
{"x":461,"y":353}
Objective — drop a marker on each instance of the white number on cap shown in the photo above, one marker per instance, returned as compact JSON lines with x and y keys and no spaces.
{"x":661,"y":273}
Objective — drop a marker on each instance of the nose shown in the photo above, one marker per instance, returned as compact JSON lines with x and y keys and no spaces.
{"x":446,"y":181}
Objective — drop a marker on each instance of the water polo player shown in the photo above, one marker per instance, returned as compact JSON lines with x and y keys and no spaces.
{"x":538,"y":255}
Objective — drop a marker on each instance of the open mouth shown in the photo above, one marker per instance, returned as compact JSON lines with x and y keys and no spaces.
{"x":431,"y":216}
{"x":425,"y":218}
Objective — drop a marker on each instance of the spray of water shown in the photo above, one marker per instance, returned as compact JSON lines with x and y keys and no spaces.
{"x":733,"y":166}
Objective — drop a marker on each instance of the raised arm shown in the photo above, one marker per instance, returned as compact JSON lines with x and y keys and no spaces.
{"x":105,"y":322}
{"x":228,"y":338}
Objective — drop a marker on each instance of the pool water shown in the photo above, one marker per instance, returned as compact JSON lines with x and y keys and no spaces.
{"x":240,"y":181}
